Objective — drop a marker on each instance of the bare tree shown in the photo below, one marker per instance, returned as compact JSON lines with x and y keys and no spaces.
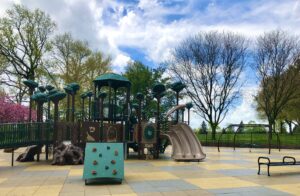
{"x":210,"y":64}
{"x":277,"y":65}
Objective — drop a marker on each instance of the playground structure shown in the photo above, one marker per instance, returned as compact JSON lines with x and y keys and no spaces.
{"x":107,"y":119}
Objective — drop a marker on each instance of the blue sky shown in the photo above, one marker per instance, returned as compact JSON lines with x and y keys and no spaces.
{"x":148,"y":30}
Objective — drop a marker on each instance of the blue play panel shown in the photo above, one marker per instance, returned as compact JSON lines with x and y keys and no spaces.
{"x":103,"y":163}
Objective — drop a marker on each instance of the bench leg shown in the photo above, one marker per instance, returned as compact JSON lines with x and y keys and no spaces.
{"x":12,"y":157}
{"x":47,"y":152}
{"x":258,"y":173}
{"x":268,"y":170}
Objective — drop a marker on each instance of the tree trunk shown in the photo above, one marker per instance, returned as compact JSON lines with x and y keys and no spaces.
{"x":270,"y":130}
{"x":213,"y":132}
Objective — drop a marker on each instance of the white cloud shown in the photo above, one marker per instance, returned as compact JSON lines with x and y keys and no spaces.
{"x":120,"y":62}
{"x":109,"y":25}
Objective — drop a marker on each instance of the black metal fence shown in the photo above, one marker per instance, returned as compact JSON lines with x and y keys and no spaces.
{"x":251,"y":140}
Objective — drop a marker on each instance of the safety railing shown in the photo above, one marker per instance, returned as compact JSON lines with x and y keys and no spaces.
{"x":14,"y":135}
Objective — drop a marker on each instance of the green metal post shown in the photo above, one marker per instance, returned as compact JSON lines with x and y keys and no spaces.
{"x":68,"y":108}
{"x":158,"y":127}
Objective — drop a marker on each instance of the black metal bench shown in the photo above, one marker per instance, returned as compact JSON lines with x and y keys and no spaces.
{"x":268,"y":163}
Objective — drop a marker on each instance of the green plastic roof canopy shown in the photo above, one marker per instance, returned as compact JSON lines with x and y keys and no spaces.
{"x":31,"y":84}
{"x":57,"y":96}
{"x":189,"y":105}
{"x":102,"y":95}
{"x":115,"y":80}
{"x":49,"y":87}
{"x":158,"y":90}
{"x":53,"y":91}
{"x":42,"y":89}
{"x":39,"y":97}
{"x":178,"y":86}
{"x":68,"y":90}
{"x":89,"y":94}
{"x":83,"y":96}
{"x":139,"y":96}
{"x":74,"y":86}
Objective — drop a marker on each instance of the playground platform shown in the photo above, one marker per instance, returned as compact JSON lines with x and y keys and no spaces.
{"x":227,"y":172}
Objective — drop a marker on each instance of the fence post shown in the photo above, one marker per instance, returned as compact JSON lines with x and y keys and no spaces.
{"x":251,"y":143}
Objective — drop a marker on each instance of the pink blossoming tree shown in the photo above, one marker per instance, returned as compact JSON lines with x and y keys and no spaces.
{"x":13,"y":112}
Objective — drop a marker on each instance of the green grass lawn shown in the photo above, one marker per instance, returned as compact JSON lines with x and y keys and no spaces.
{"x":245,"y":140}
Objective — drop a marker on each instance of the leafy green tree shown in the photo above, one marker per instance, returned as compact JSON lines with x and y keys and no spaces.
{"x":74,"y":61}
{"x":203,"y":127}
{"x":277,"y":65}
{"x":241,"y":127}
{"x":142,"y":80}
{"x":24,"y":38}
{"x":96,"y":64}
{"x":69,"y":57}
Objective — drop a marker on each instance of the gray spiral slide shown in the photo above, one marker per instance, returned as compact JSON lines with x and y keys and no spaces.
{"x":185,"y":144}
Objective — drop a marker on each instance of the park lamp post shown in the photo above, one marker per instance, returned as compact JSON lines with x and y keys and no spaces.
{"x":189,"y":106}
{"x":177,"y":87}
{"x":158,"y":92}
{"x":31,"y":85}
{"x":140,"y":98}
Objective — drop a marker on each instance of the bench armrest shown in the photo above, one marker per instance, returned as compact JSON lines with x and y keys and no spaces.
{"x":288,"y":157}
{"x":264,"y":158}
